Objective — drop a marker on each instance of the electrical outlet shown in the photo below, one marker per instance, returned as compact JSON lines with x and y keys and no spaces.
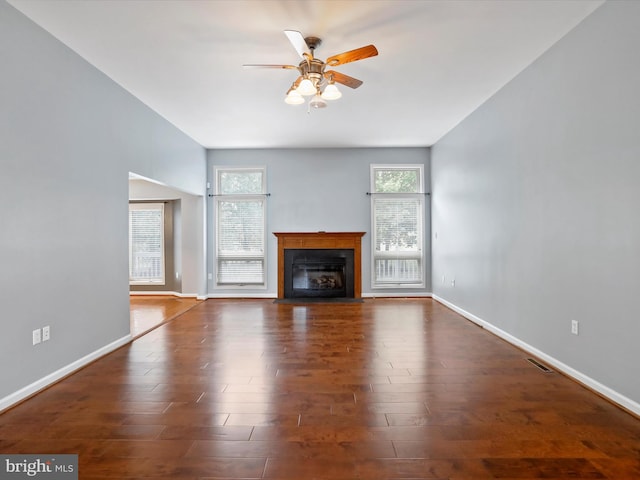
{"x":37,"y":336}
{"x":453,"y":282}
{"x":574,"y":327}
{"x":210,"y":276}
{"x":46,"y":333}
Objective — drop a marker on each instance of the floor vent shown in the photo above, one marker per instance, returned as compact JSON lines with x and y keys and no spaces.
{"x":542,"y":367}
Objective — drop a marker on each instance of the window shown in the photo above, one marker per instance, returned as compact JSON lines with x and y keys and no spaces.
{"x":240,"y":226}
{"x":397,"y":211}
{"x":146,"y":243}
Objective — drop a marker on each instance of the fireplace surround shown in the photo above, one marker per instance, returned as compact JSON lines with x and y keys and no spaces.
{"x":319,"y":264}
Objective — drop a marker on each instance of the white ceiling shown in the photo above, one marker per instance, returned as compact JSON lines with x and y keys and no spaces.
{"x":438,"y":61}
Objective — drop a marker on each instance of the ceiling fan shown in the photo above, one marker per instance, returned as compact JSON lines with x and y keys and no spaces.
{"x":315,"y":80}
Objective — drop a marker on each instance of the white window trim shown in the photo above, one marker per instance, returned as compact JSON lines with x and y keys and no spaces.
{"x":421,"y":226}
{"x":220,"y":197}
{"x":147,"y":206}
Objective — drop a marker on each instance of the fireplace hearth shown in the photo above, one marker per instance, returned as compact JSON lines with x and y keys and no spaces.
{"x":317,"y":265}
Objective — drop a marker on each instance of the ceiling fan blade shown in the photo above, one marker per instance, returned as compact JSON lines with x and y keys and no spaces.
{"x":342,"y":78}
{"x":352,"y":55}
{"x":260,"y":65}
{"x":298,"y":42}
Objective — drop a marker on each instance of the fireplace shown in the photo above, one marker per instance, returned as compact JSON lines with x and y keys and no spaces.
{"x":326,"y":273}
{"x":319,"y":265}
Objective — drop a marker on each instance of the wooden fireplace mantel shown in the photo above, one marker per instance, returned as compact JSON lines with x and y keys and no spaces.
{"x":299,"y":240}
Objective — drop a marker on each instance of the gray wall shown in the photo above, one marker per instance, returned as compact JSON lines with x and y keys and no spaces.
{"x":317,"y":189}
{"x":68,"y":138}
{"x":535,"y":200}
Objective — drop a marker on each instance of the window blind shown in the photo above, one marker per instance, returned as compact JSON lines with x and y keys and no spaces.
{"x":397,"y":255}
{"x":240,"y":234}
{"x":146,"y":243}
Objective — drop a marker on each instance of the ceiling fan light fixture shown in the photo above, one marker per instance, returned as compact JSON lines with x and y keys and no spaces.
{"x":306,"y":88}
{"x":315,"y":81}
{"x":331,"y":92}
{"x":293,"y":98}
{"x":317,"y":102}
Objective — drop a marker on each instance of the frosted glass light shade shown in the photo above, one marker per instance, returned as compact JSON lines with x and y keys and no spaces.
{"x":306,"y":88}
{"x":331,"y":92}
{"x":317,"y":102}
{"x":293,"y":98}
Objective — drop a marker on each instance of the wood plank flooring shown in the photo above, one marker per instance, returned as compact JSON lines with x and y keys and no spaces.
{"x":385,"y":389}
{"x":149,"y":311}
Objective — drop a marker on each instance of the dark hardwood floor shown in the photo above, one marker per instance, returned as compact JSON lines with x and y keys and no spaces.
{"x":385,"y":389}
{"x":149,"y":311}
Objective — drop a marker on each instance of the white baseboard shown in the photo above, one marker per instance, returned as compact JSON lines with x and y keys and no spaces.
{"x":580,"y":377}
{"x":50,"y":379}
{"x":396,"y":295}
{"x":166,"y":293}
{"x":241,"y":295}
